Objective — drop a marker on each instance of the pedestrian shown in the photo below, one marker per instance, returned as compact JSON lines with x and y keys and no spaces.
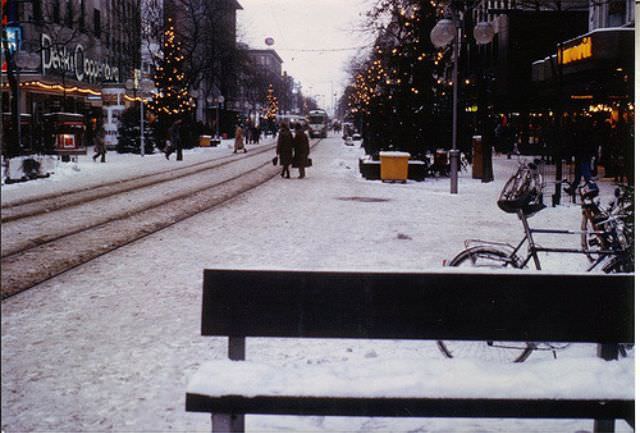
{"x":239,"y":143}
{"x":255,"y":134}
{"x":247,"y":131}
{"x":301,"y":150}
{"x":99,"y":147}
{"x":173,"y":143}
{"x":583,"y":153}
{"x":284,"y":149}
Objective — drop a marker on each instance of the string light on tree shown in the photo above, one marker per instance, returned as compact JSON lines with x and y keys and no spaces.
{"x":172,"y":99}
{"x":271,"y":110}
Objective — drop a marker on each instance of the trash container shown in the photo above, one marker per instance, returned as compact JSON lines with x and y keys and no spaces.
{"x":205,"y":140}
{"x":477,"y":170}
{"x":394,"y":166}
{"x":441,"y":162}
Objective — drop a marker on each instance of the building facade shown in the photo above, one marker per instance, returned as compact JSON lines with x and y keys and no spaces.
{"x":80,"y":47}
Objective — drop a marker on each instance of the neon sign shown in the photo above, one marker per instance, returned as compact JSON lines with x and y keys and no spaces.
{"x":575,"y":53}
{"x":75,"y":62}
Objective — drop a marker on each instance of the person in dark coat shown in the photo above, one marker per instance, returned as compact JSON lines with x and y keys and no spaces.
{"x":583,"y":153}
{"x":100,"y":148}
{"x":284,"y":149}
{"x":301,"y":150}
{"x":175,"y":137}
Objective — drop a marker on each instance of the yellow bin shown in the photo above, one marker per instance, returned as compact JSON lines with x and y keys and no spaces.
{"x":205,"y":140}
{"x":394,"y":166}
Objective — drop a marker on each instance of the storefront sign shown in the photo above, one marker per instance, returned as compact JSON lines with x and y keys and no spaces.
{"x":61,"y":60}
{"x":14,"y":38}
{"x":574,"y":53}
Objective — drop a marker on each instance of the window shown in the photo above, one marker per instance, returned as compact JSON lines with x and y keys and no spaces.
{"x":617,"y":9}
{"x":56,"y":11}
{"x":37,"y":10}
{"x":68,"y":14}
{"x":81,"y":21}
{"x":96,"y":22}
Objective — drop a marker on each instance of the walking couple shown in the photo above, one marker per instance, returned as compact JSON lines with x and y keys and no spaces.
{"x":292,"y":150}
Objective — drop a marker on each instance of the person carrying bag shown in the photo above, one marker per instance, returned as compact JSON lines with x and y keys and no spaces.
{"x":301,"y":151}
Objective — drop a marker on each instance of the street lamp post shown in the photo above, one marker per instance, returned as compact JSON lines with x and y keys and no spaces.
{"x":143,"y":86}
{"x":445,"y":32}
{"x":219,"y":102}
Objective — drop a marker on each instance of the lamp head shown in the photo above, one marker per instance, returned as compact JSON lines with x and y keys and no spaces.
{"x":443,"y":33}
{"x":483,"y":33}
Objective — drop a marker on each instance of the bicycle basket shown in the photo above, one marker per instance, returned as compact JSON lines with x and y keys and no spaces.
{"x":522,"y":192}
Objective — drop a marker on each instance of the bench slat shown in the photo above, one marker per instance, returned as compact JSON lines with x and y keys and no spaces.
{"x":407,"y":407}
{"x":443,"y":305}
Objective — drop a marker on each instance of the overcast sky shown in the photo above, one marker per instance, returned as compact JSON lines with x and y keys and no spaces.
{"x":298,"y":25}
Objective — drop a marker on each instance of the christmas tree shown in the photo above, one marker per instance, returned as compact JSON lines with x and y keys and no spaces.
{"x":172,"y":100}
{"x":271,"y":110}
{"x":394,"y":92}
{"x":129,"y":133}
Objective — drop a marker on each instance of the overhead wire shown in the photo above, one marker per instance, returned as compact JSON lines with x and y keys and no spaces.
{"x":324,"y":50}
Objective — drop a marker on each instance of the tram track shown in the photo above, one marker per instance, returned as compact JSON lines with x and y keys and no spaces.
{"x":35,"y":259}
{"x":43,"y":204}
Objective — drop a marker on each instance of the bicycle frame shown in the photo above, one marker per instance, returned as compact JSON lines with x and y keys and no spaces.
{"x":533,"y":249}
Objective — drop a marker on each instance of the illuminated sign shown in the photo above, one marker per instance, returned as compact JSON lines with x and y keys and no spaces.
{"x":14,"y":38}
{"x":61,"y":60}
{"x":577,"y":52}
{"x":581,"y":97}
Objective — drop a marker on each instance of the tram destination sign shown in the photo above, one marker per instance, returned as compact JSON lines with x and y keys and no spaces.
{"x":74,"y":61}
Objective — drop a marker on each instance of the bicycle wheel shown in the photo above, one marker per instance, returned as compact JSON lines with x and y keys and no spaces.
{"x":498,"y":351}
{"x":483,"y":256}
{"x":589,"y":240}
{"x":494,"y":351}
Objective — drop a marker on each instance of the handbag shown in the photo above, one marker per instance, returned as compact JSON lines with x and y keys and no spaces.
{"x":274,"y":161}
{"x":309,"y":162}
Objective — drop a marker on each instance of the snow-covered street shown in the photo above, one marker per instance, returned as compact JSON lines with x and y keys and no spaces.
{"x":112,"y":344}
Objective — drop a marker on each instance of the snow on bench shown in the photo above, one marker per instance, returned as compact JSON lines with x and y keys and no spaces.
{"x":422,"y":306}
{"x":569,"y":379}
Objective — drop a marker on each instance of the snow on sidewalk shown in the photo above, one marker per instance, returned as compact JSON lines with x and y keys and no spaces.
{"x":112,"y":344}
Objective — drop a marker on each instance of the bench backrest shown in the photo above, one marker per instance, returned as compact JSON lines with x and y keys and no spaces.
{"x":509,"y":306}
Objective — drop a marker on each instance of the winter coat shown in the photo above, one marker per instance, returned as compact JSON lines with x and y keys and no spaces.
{"x":301,"y":148}
{"x":239,"y":143}
{"x":99,"y":141}
{"x":284,"y":148}
{"x":175,"y":133}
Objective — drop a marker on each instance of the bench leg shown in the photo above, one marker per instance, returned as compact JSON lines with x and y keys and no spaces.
{"x":604,"y":425}
{"x":226,"y":423}
{"x":237,"y":348}
{"x":608,"y":352}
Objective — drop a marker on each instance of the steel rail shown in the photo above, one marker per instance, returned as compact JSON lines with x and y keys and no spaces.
{"x":90,"y":242}
{"x":44,"y":204}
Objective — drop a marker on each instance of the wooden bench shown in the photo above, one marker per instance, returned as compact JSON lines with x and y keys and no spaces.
{"x":412,"y":306}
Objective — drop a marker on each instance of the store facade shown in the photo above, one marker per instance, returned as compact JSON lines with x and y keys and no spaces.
{"x":80,"y":48}
{"x":590,"y":82}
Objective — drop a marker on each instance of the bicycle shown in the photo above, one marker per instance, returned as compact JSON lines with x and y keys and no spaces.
{"x":522,"y":195}
{"x":604,"y":228}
